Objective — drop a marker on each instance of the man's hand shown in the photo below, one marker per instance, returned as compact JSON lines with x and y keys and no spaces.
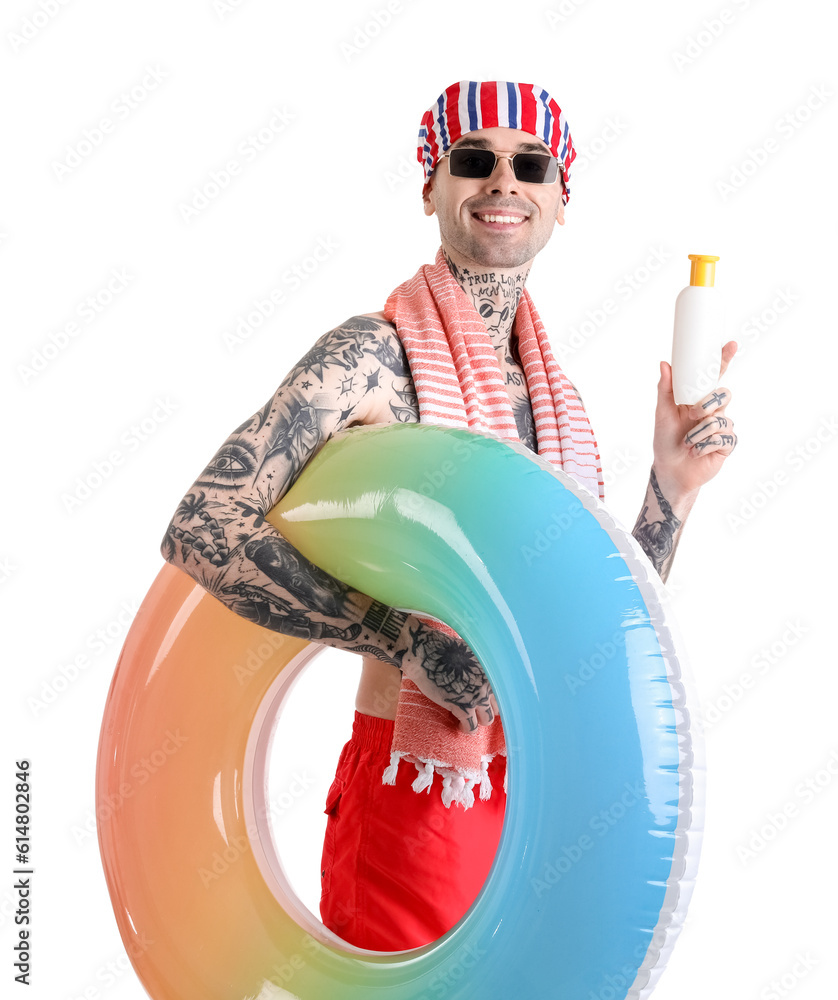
{"x":691,"y":442}
{"x":446,"y":671}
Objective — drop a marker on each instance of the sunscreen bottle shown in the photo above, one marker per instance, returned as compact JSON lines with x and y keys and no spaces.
{"x":697,"y":337}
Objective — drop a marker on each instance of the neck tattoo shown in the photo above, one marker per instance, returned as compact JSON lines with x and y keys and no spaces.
{"x":495,"y":295}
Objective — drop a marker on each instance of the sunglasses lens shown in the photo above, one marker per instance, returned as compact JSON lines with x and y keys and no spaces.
{"x":471,"y":162}
{"x":536,"y":168}
{"x":533,"y":168}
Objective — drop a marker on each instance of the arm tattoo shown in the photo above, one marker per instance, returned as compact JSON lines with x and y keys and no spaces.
{"x":657,"y":538}
{"x":262,"y":607}
{"x":310,"y":585}
{"x":232,"y":465}
{"x":407,"y":413}
{"x":385,"y":620}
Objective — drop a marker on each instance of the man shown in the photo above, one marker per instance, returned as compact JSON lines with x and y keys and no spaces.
{"x":399,"y":868}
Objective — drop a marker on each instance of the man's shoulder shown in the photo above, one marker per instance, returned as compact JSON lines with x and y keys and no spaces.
{"x":363,"y":337}
{"x":379,"y":318}
{"x":363,"y":328}
{"x":364,"y":357}
{"x":367,"y":333}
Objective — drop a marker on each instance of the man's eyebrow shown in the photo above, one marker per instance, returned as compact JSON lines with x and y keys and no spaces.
{"x":522,"y":147}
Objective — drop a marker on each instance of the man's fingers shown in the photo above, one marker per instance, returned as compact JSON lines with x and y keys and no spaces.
{"x":728,"y":352}
{"x":485,"y":716}
{"x":469,"y":723}
{"x":722,"y":443}
{"x":711,"y":404}
{"x":709,"y":427}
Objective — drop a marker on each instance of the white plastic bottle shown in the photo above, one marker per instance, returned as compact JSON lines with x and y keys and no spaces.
{"x":698,"y":333}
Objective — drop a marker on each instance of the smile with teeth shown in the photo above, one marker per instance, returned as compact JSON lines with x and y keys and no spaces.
{"x":506,"y":219}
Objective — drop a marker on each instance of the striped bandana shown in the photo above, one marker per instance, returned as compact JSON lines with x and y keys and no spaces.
{"x":468,"y":106}
{"x":459,"y":383}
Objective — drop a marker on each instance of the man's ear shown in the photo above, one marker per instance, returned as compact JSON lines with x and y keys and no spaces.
{"x":428,"y":200}
{"x":560,"y":214}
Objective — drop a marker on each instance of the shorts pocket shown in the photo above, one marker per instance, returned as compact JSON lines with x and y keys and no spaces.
{"x":332,"y":812}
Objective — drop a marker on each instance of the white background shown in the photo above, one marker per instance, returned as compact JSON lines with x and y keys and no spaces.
{"x":683,"y":149}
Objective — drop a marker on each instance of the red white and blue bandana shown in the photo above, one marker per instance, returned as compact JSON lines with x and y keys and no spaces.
{"x":468,"y":106}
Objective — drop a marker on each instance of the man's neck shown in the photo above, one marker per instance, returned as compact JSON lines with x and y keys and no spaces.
{"x":495,"y":293}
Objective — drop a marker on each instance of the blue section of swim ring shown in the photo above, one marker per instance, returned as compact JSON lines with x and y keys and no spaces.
{"x":551,"y":606}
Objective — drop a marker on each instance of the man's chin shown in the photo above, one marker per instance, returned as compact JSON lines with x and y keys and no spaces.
{"x":483,"y":253}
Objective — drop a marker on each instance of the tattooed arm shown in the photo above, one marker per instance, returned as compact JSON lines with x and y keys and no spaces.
{"x":690,"y":446}
{"x":220,"y":537}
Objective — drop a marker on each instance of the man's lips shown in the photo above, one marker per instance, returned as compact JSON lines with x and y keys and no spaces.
{"x":500,"y":219}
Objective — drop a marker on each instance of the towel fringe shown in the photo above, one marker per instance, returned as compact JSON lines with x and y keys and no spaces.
{"x":485,"y":780}
{"x":389,"y":776}
{"x":457,"y":785}
{"x":456,"y":788}
{"x":426,"y":777}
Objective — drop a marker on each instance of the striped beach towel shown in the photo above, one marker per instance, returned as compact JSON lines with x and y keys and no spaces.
{"x":459,"y":383}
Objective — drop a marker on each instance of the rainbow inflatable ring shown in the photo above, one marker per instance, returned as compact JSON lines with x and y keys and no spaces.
{"x":599,"y":849}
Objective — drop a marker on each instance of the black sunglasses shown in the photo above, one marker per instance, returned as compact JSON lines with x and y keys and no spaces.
{"x":532,"y":168}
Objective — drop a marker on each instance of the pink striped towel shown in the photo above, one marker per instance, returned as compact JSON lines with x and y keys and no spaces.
{"x":459,"y":383}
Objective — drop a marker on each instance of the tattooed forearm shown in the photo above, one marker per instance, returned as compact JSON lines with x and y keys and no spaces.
{"x":309,"y":584}
{"x":386,"y":620}
{"x":258,"y":605}
{"x":658,"y":529}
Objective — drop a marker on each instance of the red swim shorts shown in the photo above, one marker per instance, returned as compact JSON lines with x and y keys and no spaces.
{"x":399,"y":869}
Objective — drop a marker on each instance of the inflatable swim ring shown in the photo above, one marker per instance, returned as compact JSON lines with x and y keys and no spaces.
{"x":598,"y":853}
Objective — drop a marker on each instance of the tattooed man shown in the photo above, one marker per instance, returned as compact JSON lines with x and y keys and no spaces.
{"x":495,"y":213}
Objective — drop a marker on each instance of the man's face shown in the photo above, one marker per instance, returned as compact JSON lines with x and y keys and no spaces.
{"x":461,"y":204}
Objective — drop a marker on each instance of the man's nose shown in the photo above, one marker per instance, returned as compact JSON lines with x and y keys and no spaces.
{"x":502,"y":178}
